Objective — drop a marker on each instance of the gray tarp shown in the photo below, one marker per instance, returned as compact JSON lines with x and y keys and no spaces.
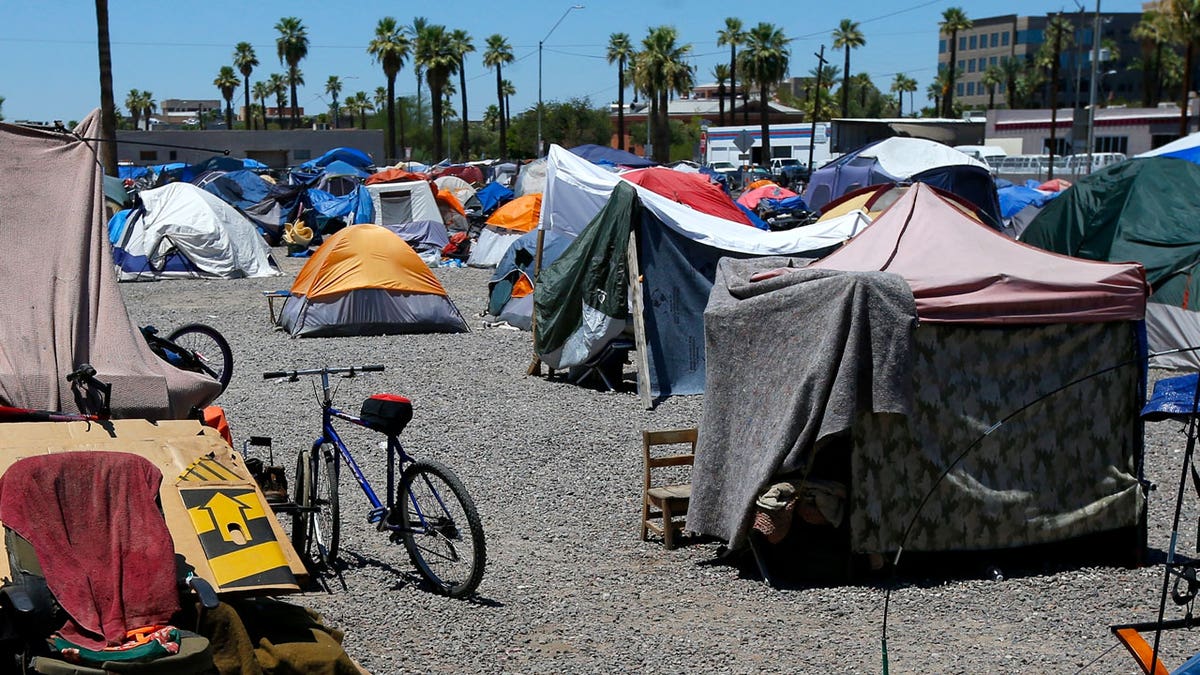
{"x":61,"y":303}
{"x":791,"y":360}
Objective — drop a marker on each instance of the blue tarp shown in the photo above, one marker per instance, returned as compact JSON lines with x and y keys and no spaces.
{"x":1017,"y":197}
{"x":339,"y":168}
{"x":787,"y":204}
{"x":599,"y":153}
{"x":116,"y":226}
{"x":1173,"y":398}
{"x":254,"y":165}
{"x":492,"y":196}
{"x":242,"y":188}
{"x":357,"y":202}
{"x":351,"y":156}
{"x":133,"y":172}
{"x":754,"y":219}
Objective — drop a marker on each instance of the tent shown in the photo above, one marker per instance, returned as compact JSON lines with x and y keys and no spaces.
{"x":1142,"y":210}
{"x":467,"y":172}
{"x":692,"y":189}
{"x":353,"y":208}
{"x":426,"y":237}
{"x":504,"y":227}
{"x":531,"y":179}
{"x":365,"y":280}
{"x":463,"y":191}
{"x":900,"y":159}
{"x":677,"y":251}
{"x":181,"y":231}
{"x":1007,"y":334}
{"x":1187,"y":148}
{"x":510,"y":291}
{"x":396,"y":176}
{"x":398,"y":203}
{"x":353,"y":157}
{"x":266,"y":204}
{"x":492,"y":196}
{"x":875,"y":199}
{"x":62,"y":304}
{"x":751,"y":198}
{"x":601,"y":154}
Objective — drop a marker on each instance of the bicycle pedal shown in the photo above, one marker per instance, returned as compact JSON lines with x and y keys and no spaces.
{"x":377,"y":516}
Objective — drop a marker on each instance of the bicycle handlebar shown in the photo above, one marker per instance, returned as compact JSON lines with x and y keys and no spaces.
{"x":349,"y":370}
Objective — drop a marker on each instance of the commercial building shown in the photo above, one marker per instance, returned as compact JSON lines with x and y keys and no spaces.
{"x":993,"y":40}
{"x":276,"y":149}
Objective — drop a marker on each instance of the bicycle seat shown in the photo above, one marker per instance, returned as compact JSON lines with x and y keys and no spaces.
{"x":387,"y":413}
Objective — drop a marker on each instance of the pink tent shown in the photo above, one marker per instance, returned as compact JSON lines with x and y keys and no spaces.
{"x":751,"y":198}
{"x":963,"y":272}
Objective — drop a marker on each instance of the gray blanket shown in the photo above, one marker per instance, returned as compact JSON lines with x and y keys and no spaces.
{"x":791,"y":360}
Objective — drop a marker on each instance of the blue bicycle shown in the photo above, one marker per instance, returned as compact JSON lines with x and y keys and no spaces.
{"x":427,"y":508}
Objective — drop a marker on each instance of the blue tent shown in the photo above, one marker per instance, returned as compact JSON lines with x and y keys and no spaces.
{"x":339,"y":168}
{"x":355,"y":158}
{"x":599,"y":153}
{"x":492,"y":196}
{"x":328,"y":206}
{"x":254,"y":165}
{"x":133,"y":172}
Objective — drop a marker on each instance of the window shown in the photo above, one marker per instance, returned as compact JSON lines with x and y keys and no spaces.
{"x":992,"y":61}
{"x":148,"y":155}
{"x":995,"y":39}
{"x":171,"y":155}
{"x":962,"y":43}
{"x":1112,"y":144}
{"x":1029,"y":37}
{"x":970,"y":65}
{"x":395,"y":207}
{"x":962,"y":65}
{"x":972,"y":42}
{"x":959,"y":89}
{"x":941,"y":46}
{"x":1004,"y":39}
{"x":303,"y":154}
{"x":983,"y":64}
{"x":970,"y":89}
{"x":784,"y":152}
{"x":1060,"y":145}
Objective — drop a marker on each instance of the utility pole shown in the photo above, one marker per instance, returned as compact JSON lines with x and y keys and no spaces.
{"x":1054,"y":92}
{"x":1092,"y":87}
{"x":812,"y":134}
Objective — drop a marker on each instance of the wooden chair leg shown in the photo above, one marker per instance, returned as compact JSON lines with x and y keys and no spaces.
{"x":668,"y":520}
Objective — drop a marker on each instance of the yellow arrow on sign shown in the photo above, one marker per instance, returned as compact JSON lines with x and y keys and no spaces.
{"x":229,"y":515}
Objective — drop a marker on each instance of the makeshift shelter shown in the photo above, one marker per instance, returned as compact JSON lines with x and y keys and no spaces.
{"x":267,"y":205}
{"x":181,"y":231}
{"x":504,"y":227}
{"x":492,"y":196}
{"x":677,"y":251}
{"x":1142,"y":210}
{"x":693,"y":189}
{"x":352,"y":156}
{"x":398,"y":203}
{"x":350,"y":209}
{"x":62,"y":304}
{"x":365,"y":280}
{"x":602,"y":154}
{"x":394,"y":175}
{"x":426,"y":237}
{"x":751,"y":198}
{"x":1007,"y":334}
{"x":468,"y":173}
{"x":531,"y":178}
{"x":510,"y":290}
{"x":463,"y":191}
{"x":913,"y":160}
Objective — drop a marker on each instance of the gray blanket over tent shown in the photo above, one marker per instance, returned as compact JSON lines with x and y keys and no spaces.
{"x":813,"y":349}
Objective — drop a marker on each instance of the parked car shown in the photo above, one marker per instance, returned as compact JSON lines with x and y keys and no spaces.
{"x":722,"y":167}
{"x":789,"y":171}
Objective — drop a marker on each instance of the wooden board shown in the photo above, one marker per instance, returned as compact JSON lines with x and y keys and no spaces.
{"x":637,"y":308}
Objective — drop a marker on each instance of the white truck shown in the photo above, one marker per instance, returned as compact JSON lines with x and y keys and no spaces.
{"x":788,"y":141}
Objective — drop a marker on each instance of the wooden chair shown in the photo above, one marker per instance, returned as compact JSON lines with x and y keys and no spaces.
{"x":662,"y":503}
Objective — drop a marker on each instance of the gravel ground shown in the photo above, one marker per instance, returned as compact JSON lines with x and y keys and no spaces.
{"x":555,"y":470}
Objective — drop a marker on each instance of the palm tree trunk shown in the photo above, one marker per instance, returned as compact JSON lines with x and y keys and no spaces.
{"x":1158,"y":79}
{"x":732,"y":81}
{"x":465,"y":144}
{"x":846,"y":84}
{"x":621,"y":103}
{"x":1054,"y":102}
{"x":991,"y":96}
{"x":362,"y":118}
{"x":764,"y":122}
{"x":108,"y":104}
{"x":1189,"y":63}
{"x":503,"y":115}
{"x":899,"y":103}
{"x":249,"y":115}
{"x":229,"y":113}
{"x":435,"y":103}
{"x":652,"y":122}
{"x":400,"y":116}
{"x":721,"y":103}
{"x":295,"y":106}
{"x":419,"y":96}
{"x":336,"y":112}
{"x":391,"y":119}
{"x":662,"y":144}
{"x":948,"y":97}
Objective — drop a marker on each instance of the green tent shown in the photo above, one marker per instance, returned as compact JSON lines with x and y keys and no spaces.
{"x":1147,"y":211}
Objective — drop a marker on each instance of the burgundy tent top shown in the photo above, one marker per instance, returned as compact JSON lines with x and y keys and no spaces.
{"x":692,"y":189}
{"x":961,"y":271}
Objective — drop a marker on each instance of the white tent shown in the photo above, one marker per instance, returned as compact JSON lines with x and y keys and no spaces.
{"x":400,"y":203}
{"x":461,"y":189}
{"x":184,"y":231}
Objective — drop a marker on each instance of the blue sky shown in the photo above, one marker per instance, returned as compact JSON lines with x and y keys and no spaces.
{"x":175,"y":50}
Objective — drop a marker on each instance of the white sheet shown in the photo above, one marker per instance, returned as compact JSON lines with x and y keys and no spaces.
{"x":903,"y":157}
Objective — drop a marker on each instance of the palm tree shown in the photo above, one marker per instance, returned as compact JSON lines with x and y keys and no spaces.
{"x":720,"y":73}
{"x":765,"y":62}
{"x":898,"y":84}
{"x":499,"y":53}
{"x":435,"y":53}
{"x":227,"y":81}
{"x":1011,"y":71}
{"x":292,"y":47}
{"x":389,"y":48}
{"x":865,"y":85}
{"x":1058,"y":36}
{"x":733,"y":36}
{"x":491,"y":116}
{"x":359,"y":103}
{"x":507,"y":88}
{"x":1185,"y":21}
{"x":1154,"y":31}
{"x":278,"y":86}
{"x":460,"y":42}
{"x":661,"y":70}
{"x":133,"y":102}
{"x":619,"y":51}
{"x":992,"y":77}
{"x":261,"y":91}
{"x":333,"y":87}
{"x":934,"y":91}
{"x":149,"y":105}
{"x":953,"y":20}
{"x":108,"y":103}
{"x":415,"y":31}
{"x":245,"y":61}
{"x":847,"y":36}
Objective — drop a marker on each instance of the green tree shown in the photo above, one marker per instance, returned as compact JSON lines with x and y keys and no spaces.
{"x":992,"y":77}
{"x":720,"y":73}
{"x":333,"y":87}
{"x":362,"y":105}
{"x":619,"y":51}
{"x":292,"y":48}
{"x":663,"y":69}
{"x":509,"y":91}
{"x":389,"y":48}
{"x":261,"y":91}
{"x":765,"y":63}
{"x":491,"y":116}
{"x":497,"y":54}
{"x":1058,"y":36}
{"x":901,"y":85}
{"x":1154,"y":32}
{"x":953,"y":20}
{"x":108,"y":103}
{"x":227,"y":81}
{"x":847,"y":36}
{"x":1185,"y":23}
{"x":934,"y":92}
{"x":415,"y":31}
{"x":279,"y":86}
{"x":245,"y":60}
{"x":567,"y":123}
{"x":1011,"y":71}
{"x":733,"y":36}
{"x":461,"y":44}
{"x":435,"y":53}
{"x":133,"y":103}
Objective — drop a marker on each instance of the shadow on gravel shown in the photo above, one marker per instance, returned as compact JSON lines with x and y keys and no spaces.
{"x":350,"y":561}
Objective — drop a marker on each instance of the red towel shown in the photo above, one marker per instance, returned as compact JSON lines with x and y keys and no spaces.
{"x":102,"y":542}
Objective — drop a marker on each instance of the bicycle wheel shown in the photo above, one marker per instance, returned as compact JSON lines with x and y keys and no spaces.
{"x":302,"y":492}
{"x":326,"y":521}
{"x":441,"y":528}
{"x":213,"y":355}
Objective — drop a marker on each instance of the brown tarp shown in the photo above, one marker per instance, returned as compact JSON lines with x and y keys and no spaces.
{"x":58,"y":289}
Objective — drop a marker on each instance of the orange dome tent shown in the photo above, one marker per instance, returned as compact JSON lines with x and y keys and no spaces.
{"x":365,"y":280}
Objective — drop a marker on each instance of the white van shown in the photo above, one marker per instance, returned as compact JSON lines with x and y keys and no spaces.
{"x":1078,"y":164}
{"x":988,"y":154}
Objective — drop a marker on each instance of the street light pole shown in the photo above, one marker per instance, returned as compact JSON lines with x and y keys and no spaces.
{"x":1091,"y":141}
{"x":539,"y":111}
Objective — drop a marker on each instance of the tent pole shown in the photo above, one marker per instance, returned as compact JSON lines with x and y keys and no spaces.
{"x":535,"y":366}
{"x":639,"y":321}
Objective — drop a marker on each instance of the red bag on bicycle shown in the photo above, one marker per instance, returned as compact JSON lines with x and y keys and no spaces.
{"x":388,"y":413}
